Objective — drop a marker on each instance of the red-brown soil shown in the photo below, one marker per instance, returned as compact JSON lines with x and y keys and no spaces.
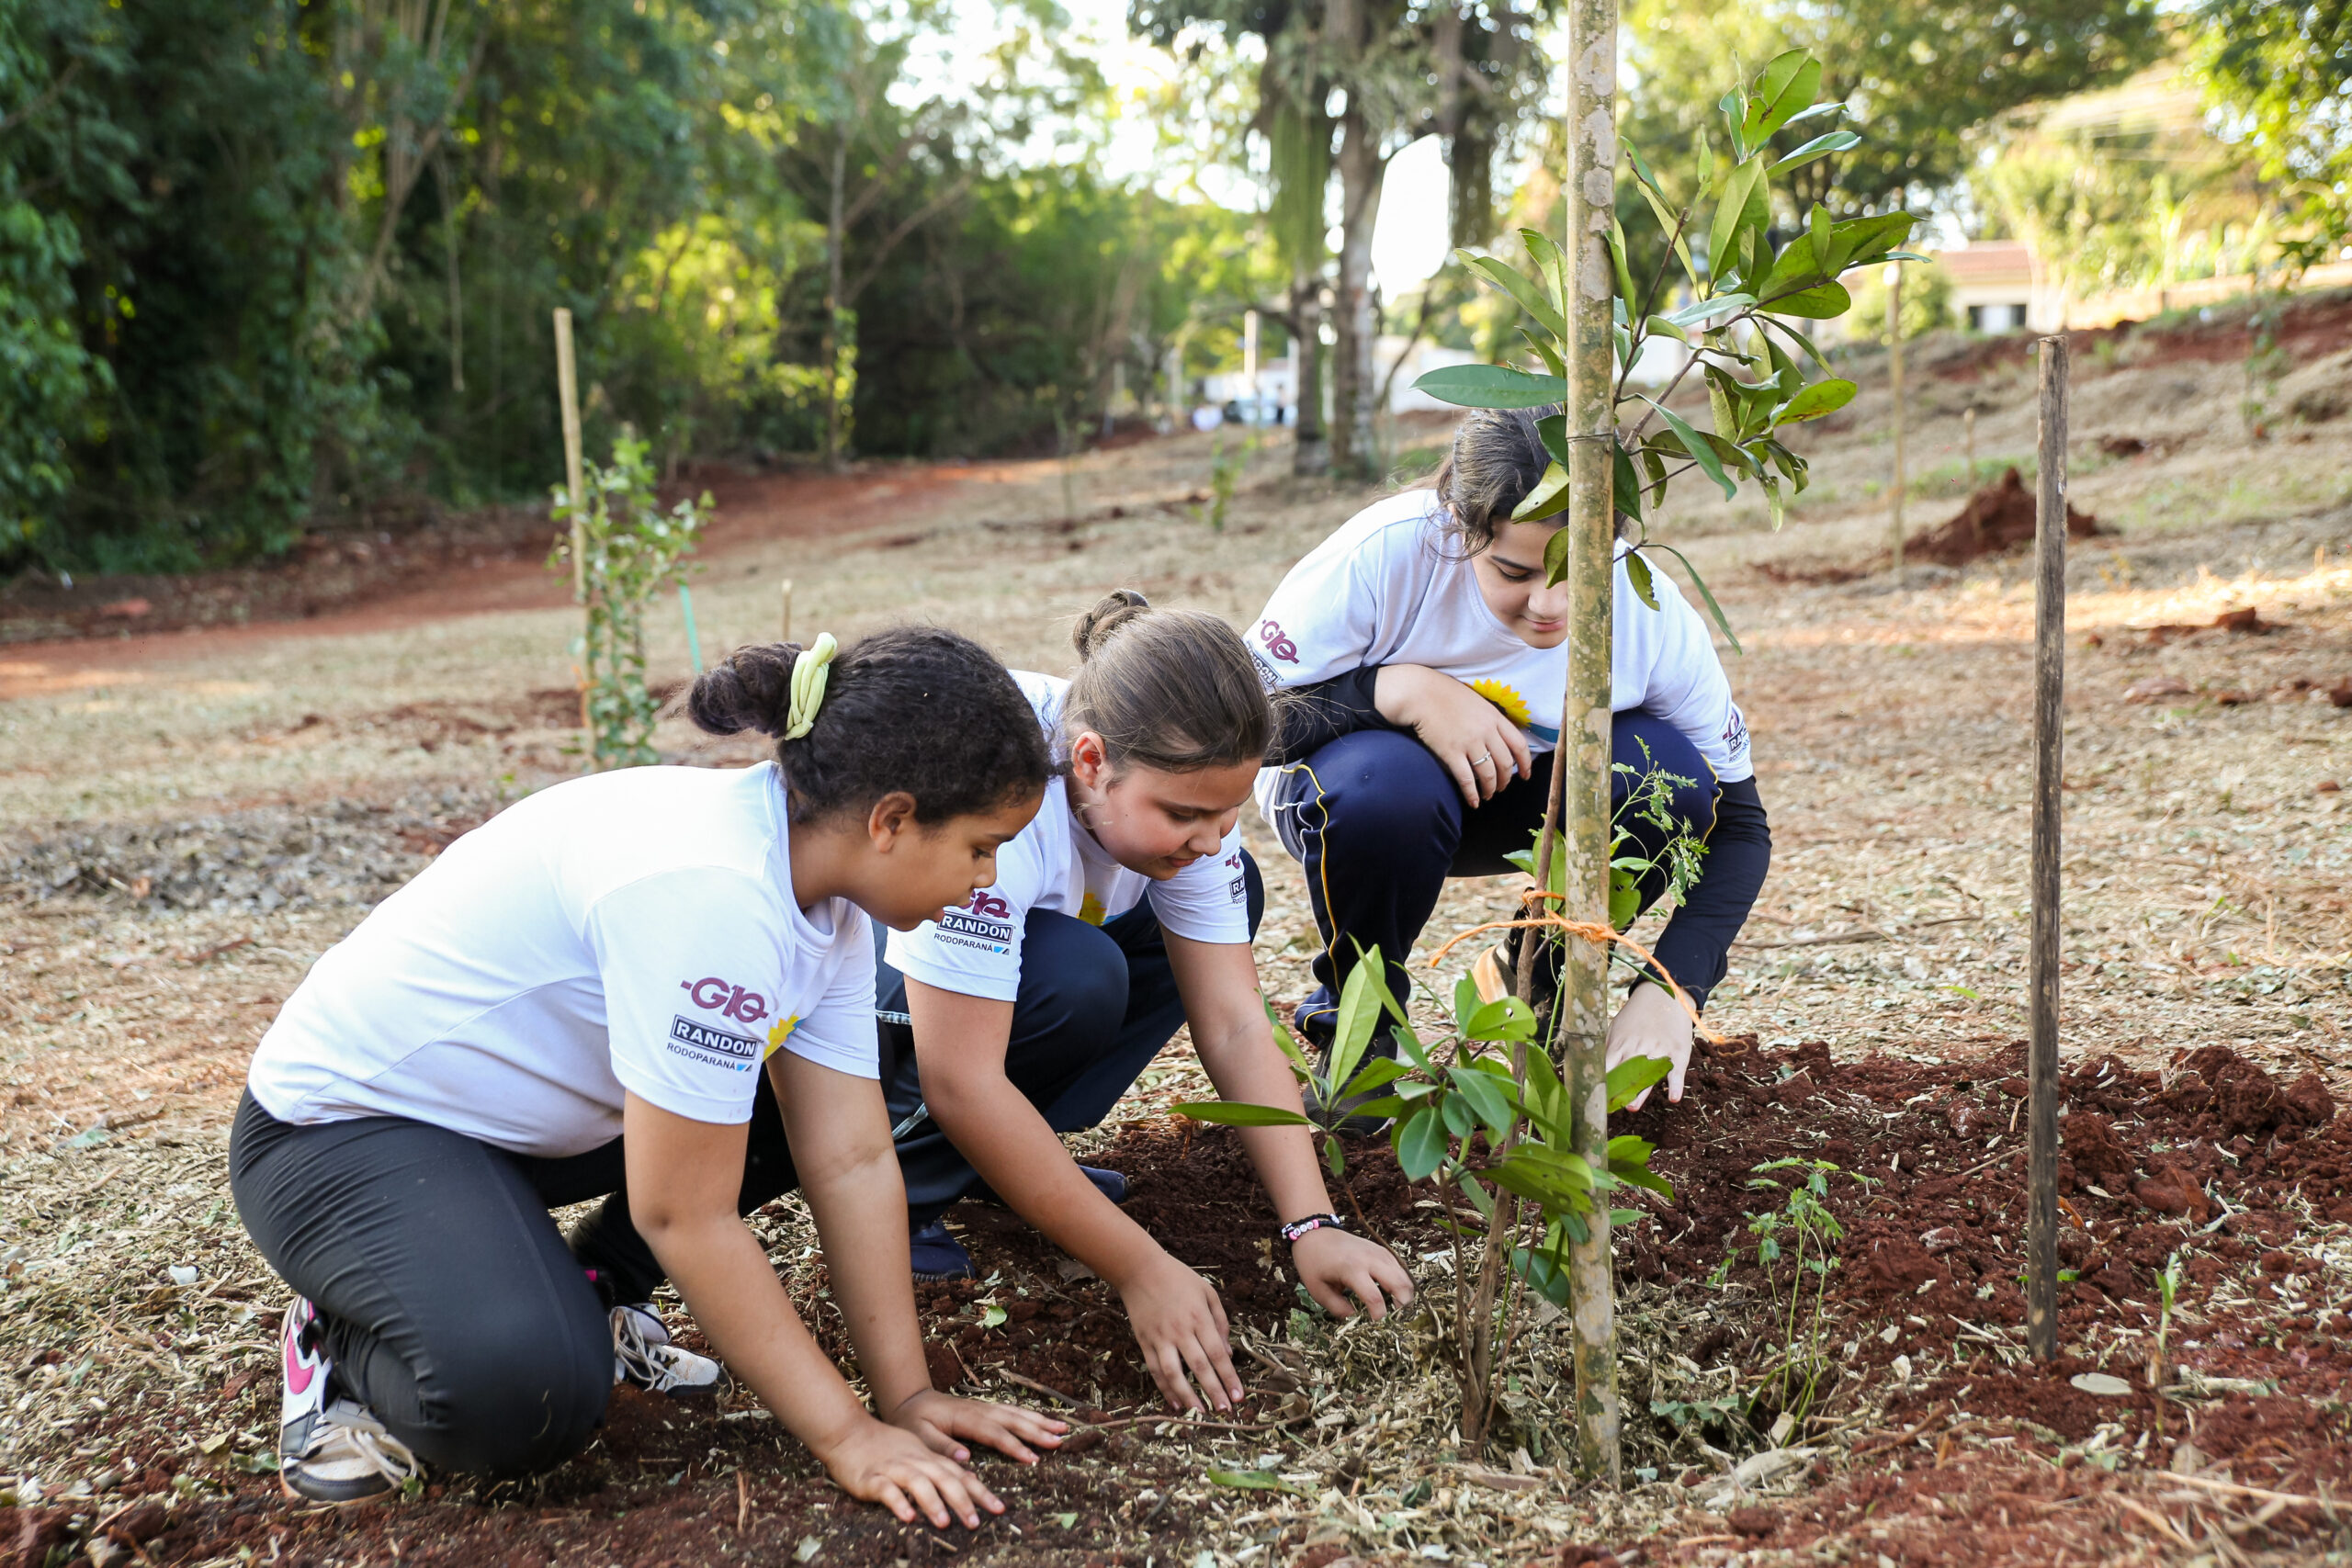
{"x":2213,"y":1158}
{"x":1998,"y":518}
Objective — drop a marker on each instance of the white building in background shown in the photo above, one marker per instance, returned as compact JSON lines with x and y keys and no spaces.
{"x":1275,"y":396}
{"x":1994,"y":287}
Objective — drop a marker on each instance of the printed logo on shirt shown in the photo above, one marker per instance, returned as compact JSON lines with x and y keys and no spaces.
{"x":1240,"y":886}
{"x":1504,"y":695}
{"x":712,"y":1047}
{"x":1277,"y":641}
{"x":1736,"y":734}
{"x":1091,"y":910}
{"x":1268,"y":676}
{"x":712,"y":993}
{"x":987,"y":915}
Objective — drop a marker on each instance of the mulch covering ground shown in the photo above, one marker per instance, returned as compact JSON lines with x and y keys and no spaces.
{"x":1930,"y":1417}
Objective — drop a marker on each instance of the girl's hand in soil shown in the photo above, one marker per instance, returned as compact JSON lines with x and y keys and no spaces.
{"x":941,"y":1419}
{"x":1335,"y":1266}
{"x":875,"y":1462}
{"x":1469,"y":735}
{"x":1180,"y":1324}
{"x":1651,"y":1023}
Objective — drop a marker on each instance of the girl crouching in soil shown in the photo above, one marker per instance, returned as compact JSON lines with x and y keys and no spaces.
{"x":1429,"y":659}
{"x":657,"y":981}
{"x":1124,"y":912}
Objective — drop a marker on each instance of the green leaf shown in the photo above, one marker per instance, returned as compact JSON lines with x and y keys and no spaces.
{"x":1553,"y":266}
{"x":993,"y":1315}
{"x":1255,"y":1481}
{"x":1421,"y":1143}
{"x":1543,"y":1274}
{"x":1516,"y":284}
{"x":1461,"y":1116}
{"x":1487,"y":1098}
{"x":1702,"y":454}
{"x":1466,"y":1001}
{"x":1625,"y":899}
{"x":1546,"y":353}
{"x":1706,"y":309}
{"x":1358,"y":1014}
{"x":1556,"y":557}
{"x":1624,"y":483}
{"x":1821,"y":146}
{"x":1789,"y":85}
{"x":1334,"y":1160}
{"x":1821,"y":398}
{"x":1632,"y":1076}
{"x":1658,"y":326}
{"x":1818,"y":303}
{"x":1549,"y":496}
{"x":1675,"y":226}
{"x":1637,"y":572}
{"x":1492,"y":386}
{"x":1378,"y":1073}
{"x":1616,"y":242}
{"x":1857,"y":240}
{"x":1546,"y":1099}
{"x":1553,"y":430}
{"x":1707,"y":594}
{"x":1237,"y":1114}
{"x":1745,"y":209}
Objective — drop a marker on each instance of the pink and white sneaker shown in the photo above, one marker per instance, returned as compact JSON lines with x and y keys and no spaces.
{"x":330,"y":1449}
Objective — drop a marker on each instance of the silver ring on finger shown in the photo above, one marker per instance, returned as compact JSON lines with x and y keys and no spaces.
{"x":1483,"y":759}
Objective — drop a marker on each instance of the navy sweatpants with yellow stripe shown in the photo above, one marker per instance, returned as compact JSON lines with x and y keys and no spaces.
{"x":1378,"y":824}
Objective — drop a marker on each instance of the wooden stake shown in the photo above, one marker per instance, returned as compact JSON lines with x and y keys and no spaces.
{"x":1968,"y":443}
{"x":1895,"y":379}
{"x":1581,"y":797}
{"x":784,"y":593}
{"x":2049,"y":761}
{"x":567,"y":386}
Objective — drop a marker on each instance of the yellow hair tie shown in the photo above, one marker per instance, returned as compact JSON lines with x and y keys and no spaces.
{"x":810,"y":674}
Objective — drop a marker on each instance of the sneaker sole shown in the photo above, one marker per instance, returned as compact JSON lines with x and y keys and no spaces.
{"x":377,"y":1492}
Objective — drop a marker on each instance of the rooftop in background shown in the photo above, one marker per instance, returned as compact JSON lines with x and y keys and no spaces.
{"x":1988,"y":262}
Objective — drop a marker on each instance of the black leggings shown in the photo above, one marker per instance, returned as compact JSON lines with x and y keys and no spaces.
{"x":452,"y":1307}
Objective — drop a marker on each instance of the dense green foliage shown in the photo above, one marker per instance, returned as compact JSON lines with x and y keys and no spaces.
{"x":2287,"y":69}
{"x":267,"y":261}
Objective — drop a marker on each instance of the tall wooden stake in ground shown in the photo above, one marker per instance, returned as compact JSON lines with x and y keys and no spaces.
{"x":2049,"y":741}
{"x":1581,"y":771}
{"x":567,"y":386}
{"x":1894,"y":384}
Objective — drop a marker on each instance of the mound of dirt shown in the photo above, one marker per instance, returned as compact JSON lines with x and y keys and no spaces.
{"x":1998,"y":518}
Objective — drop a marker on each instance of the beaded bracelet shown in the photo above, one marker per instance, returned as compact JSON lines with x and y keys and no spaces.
{"x":1311,"y":1224}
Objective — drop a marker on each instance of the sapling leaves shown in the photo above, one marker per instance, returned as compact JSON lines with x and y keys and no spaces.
{"x":1638,"y":572}
{"x":1492,"y":386}
{"x":1520,"y":287}
{"x":1489,"y":1101}
{"x":1821,"y":398}
{"x":1549,"y":496}
{"x":1420,"y":1142}
{"x":1237,"y":1114}
{"x":1698,"y":449}
{"x":1632,"y":1076}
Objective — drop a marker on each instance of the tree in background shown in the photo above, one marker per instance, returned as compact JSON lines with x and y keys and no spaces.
{"x":2286,"y":72}
{"x":1916,"y":75}
{"x":2122,"y":188}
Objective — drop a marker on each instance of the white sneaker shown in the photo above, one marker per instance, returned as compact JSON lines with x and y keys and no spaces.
{"x":330,"y":1450}
{"x":643,"y":1355}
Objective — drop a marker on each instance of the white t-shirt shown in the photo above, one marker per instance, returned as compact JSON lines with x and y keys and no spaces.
{"x":1385,"y":589}
{"x":629,"y":931}
{"x":1054,"y":863}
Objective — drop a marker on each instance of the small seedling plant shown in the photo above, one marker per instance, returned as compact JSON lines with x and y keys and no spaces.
{"x":631,"y":551}
{"x":1796,"y":1248}
{"x":1649,"y":800}
{"x":1485,"y":1120}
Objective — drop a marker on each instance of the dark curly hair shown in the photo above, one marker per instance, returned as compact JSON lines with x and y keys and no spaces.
{"x":912,"y":708}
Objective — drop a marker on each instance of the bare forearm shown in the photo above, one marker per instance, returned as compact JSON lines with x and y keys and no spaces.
{"x":724,"y":1275}
{"x":1248,"y":1070}
{"x":994,"y":1126}
{"x":862,"y":1224}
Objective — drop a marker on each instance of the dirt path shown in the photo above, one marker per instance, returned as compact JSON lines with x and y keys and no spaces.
{"x":197,"y":815}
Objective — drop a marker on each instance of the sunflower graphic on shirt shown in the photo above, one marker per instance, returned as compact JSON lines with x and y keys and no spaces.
{"x":780,"y":1032}
{"x":1090,"y":909}
{"x":1504,"y":695}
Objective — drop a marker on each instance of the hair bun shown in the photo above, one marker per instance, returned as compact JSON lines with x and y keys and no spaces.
{"x":752,"y":690}
{"x":1094,"y":627}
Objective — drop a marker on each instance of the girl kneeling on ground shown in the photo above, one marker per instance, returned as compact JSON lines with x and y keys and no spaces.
{"x":657,"y":981}
{"x":1124,"y":911}
{"x":1428,"y":661}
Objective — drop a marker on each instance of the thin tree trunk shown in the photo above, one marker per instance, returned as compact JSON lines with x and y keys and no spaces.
{"x":1312,"y":455}
{"x":1353,"y":377}
{"x":1585,"y":724}
{"x":457,"y":293}
{"x":829,"y":350}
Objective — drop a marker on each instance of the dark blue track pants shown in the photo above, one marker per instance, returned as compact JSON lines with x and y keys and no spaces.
{"x":1378,"y":824}
{"x":1095,"y":1005}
